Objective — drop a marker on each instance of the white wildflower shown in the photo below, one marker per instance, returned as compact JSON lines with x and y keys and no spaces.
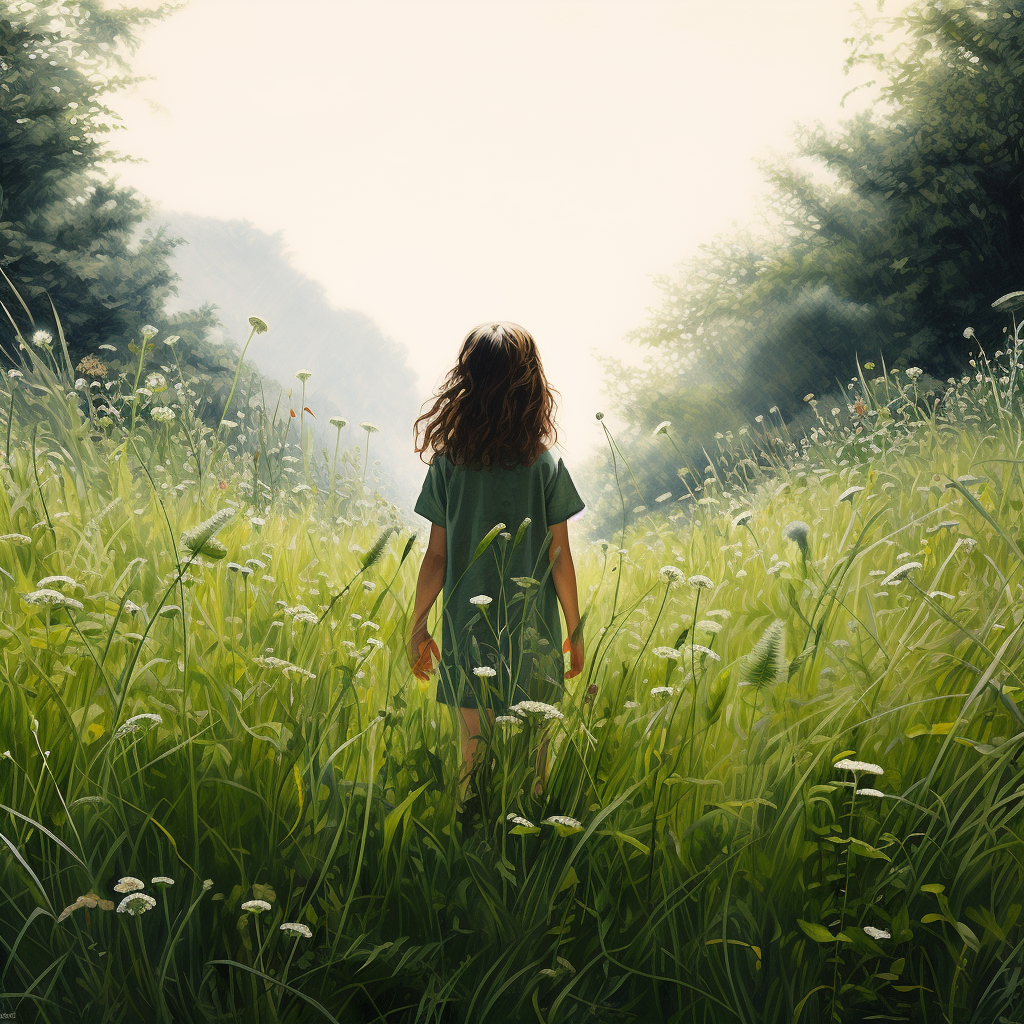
{"x":897,"y":574}
{"x":665,"y":652}
{"x":485,"y":670}
{"x":297,"y":929}
{"x":700,"y":582}
{"x":481,"y":599}
{"x":256,"y":906}
{"x":706,"y":651}
{"x":876,"y":933}
{"x":162,"y":880}
{"x":858,"y":766}
{"x":536,"y":707}
{"x":671,"y":574}
{"x":870,"y":792}
{"x":135,"y":904}
{"x":519,"y":820}
{"x":667,"y":690}
{"x":742,"y":518}
{"x":47,"y":596}
{"x":129,"y":884}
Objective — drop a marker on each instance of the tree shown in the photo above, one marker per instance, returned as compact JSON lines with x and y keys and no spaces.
{"x":65,"y":227}
{"x":919,"y":229}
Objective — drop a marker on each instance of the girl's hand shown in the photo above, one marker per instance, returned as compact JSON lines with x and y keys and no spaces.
{"x":423,"y":654}
{"x":575,"y":656}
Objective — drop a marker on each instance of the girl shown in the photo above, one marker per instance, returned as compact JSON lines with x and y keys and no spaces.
{"x":491,"y":466}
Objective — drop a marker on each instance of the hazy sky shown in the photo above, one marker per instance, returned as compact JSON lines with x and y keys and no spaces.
{"x":438,"y":163}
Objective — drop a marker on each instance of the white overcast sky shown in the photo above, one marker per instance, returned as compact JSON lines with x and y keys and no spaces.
{"x":438,"y":163}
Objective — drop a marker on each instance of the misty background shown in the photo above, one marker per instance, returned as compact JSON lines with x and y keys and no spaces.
{"x":382,"y":180}
{"x":710,"y":216}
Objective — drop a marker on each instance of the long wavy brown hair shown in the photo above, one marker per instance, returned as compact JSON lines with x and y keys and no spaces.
{"x":495,"y":406}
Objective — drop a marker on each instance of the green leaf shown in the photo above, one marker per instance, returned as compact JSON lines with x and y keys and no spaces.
{"x":485,"y":543}
{"x":939,"y":729}
{"x":817,"y":932}
{"x":403,"y":810}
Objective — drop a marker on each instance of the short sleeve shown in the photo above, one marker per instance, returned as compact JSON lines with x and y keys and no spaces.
{"x":561,"y":498}
{"x":432,"y":503}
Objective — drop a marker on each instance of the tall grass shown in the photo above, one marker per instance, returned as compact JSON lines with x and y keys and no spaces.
{"x":706,"y":860}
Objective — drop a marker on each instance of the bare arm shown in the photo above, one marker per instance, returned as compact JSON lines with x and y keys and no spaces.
{"x":563,"y":574}
{"x":431,"y":578}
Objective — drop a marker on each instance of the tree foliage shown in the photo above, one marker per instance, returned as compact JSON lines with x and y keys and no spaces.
{"x":918,"y":227}
{"x":67,"y":230}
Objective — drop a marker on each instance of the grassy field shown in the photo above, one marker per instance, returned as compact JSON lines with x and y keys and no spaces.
{"x":785,"y":788}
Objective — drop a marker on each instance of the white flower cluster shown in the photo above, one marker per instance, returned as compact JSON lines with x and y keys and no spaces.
{"x":525,"y":707}
{"x":859,"y":766}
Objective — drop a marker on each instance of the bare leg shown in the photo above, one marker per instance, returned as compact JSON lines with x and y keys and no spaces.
{"x":541,"y":767}
{"x":470,"y":729}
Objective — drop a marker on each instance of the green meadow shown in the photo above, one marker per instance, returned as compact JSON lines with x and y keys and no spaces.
{"x":785,"y":788}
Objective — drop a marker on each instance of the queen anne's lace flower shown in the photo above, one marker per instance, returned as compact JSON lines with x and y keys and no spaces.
{"x":517,"y":820}
{"x":485,"y":670}
{"x":162,"y":880}
{"x":859,"y":766}
{"x":665,"y":652}
{"x":897,"y":574}
{"x":129,"y":884}
{"x":700,"y":582}
{"x":507,"y":720}
{"x":563,"y":823}
{"x":297,"y":929}
{"x":48,"y":596}
{"x":706,"y":651}
{"x":876,"y":933}
{"x":870,"y":792}
{"x":480,"y":599}
{"x":135,"y":904}
{"x":536,"y":707}
{"x":672,"y":574}
{"x":256,"y":906}
{"x":667,"y":690}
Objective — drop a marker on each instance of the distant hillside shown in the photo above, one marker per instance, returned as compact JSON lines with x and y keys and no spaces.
{"x":358,"y":372}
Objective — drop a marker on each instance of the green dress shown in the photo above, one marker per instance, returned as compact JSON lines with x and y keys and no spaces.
{"x":519,"y":634}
